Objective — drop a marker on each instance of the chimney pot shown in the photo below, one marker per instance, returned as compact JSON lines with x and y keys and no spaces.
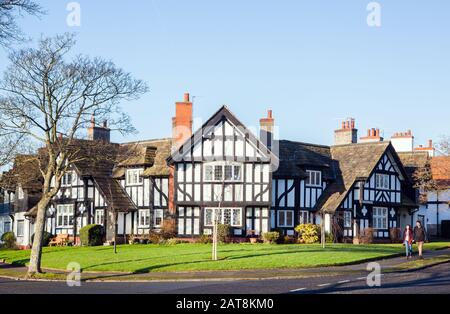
{"x":186,"y":97}
{"x":269,"y":114}
{"x":430,"y":143}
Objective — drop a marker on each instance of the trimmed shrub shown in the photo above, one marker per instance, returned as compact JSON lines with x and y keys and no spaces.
{"x":9,"y":240}
{"x":271,"y":237}
{"x":204,"y":239}
{"x":308,"y":233}
{"x":223,"y":233}
{"x":91,"y":235}
{"x":46,"y":238}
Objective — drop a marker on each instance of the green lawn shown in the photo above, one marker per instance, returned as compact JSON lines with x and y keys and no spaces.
{"x":190,"y":257}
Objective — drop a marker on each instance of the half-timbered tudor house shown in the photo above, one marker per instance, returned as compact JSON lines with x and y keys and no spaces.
{"x":223,"y":172}
{"x":353,"y":186}
{"x":21,"y":187}
{"x":145,"y":177}
{"x":122,"y":186}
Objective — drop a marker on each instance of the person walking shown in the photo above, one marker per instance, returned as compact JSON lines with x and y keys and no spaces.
{"x":408,"y":241}
{"x":419,"y":237}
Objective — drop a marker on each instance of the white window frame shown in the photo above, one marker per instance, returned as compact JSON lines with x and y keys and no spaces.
{"x":63,"y":211}
{"x":66,"y":179}
{"x":131,"y":174}
{"x":234,"y":166}
{"x":232,"y":210}
{"x":380,"y":214}
{"x":284,"y":224}
{"x":382,"y":181}
{"x":145,"y":213}
{"x":158,"y":213}
{"x":313,"y":177}
{"x":347,"y":219}
{"x":99,"y":217}
{"x":20,"y":231}
{"x":301,"y":214}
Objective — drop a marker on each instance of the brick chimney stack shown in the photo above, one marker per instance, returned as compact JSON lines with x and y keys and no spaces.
{"x":182,"y":122}
{"x":99,"y":133}
{"x":430,"y":149}
{"x":373,"y":135}
{"x":266,"y":127}
{"x":347,"y":134}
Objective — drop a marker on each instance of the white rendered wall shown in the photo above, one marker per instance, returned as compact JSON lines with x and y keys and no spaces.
{"x":404,"y":144}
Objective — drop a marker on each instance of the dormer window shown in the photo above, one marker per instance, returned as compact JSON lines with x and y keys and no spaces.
{"x":134,"y":176}
{"x":382,"y":181}
{"x":314,"y":178}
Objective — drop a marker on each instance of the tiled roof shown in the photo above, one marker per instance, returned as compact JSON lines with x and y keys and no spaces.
{"x":440,"y":167}
{"x":151,"y":155}
{"x":412,"y":161}
{"x":295,"y":157}
{"x":354,"y":162}
{"x":25,"y":171}
{"x":115,"y":196}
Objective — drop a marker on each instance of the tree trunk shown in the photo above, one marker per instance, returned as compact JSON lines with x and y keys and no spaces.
{"x":39,"y":226}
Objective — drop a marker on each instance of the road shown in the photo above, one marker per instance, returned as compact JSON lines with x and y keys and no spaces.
{"x":434,"y":280}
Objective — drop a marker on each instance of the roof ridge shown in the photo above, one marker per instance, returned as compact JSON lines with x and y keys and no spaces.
{"x":305,"y":143}
{"x":147,"y":141}
{"x":363,"y":144}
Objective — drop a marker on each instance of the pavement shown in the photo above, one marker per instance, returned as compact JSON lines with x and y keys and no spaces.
{"x":394,"y":278}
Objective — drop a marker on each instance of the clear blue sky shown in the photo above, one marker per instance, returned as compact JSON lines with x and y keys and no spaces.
{"x":312,"y":62}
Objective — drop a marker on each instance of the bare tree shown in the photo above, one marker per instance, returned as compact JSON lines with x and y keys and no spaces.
{"x":51,"y":100}
{"x":10,"y":10}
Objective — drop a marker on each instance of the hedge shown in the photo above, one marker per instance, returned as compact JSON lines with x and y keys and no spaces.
{"x":91,"y":235}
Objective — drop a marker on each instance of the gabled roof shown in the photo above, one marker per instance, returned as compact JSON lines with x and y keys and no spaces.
{"x":222,"y":113}
{"x":353,"y":163}
{"x":294,"y":157}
